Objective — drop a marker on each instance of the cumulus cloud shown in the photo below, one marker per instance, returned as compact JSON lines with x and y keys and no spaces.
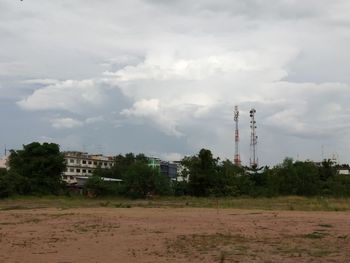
{"x":152,"y":110}
{"x":69,"y":95}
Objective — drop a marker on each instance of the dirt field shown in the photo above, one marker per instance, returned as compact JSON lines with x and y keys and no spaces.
{"x":173,"y":235}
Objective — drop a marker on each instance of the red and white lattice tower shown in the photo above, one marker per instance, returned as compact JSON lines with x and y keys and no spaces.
{"x":253,"y":140}
{"x":237,"y":158}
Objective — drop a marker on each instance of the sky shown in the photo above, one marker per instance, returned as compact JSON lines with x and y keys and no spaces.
{"x":162,"y":77}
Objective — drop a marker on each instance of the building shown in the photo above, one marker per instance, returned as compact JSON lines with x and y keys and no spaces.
{"x":169,"y":169}
{"x":4,"y":162}
{"x":343,"y":169}
{"x":166,"y":168}
{"x":80,"y":164}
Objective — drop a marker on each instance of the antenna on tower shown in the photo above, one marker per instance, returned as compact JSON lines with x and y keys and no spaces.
{"x":237,"y":158}
{"x":253,"y":139}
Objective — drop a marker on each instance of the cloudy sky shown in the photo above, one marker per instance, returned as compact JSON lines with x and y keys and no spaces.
{"x":162,"y":77}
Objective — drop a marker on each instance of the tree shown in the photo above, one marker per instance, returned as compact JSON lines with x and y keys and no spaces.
{"x":6,"y":187}
{"x":203,"y":170}
{"x":141,"y":180}
{"x":38,"y":168}
{"x":308,"y":179}
{"x":95,"y":186}
{"x":122,"y":163}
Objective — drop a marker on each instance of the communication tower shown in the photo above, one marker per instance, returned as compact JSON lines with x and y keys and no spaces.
{"x":253,"y":139}
{"x":237,"y":158}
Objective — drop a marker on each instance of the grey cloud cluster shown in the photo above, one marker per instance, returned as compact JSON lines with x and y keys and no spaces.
{"x":171,"y":72}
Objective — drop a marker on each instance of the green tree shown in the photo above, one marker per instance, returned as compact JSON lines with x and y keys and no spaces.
{"x":95,"y":186}
{"x":6,"y":185}
{"x":37,"y":169}
{"x":203,"y":171}
{"x":308,"y":179}
{"x":141,"y":180}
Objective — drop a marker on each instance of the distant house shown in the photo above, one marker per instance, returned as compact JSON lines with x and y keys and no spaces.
{"x":4,"y":162}
{"x":343,"y":169}
{"x":166,"y":168}
{"x":81,"y":164}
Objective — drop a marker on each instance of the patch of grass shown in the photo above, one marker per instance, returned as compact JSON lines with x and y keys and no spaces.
{"x":343,"y":237}
{"x":275,"y":203}
{"x":222,"y":257}
{"x":17,"y":207}
{"x":321,"y":252}
{"x":201,"y":244}
{"x":32,"y":220}
{"x":122,"y":205}
{"x":325,"y":225}
{"x":105,"y":203}
{"x":315,"y":235}
{"x":7,"y":223}
{"x":291,"y":249}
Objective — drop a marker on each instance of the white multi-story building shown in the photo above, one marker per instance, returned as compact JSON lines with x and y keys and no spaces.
{"x":84,"y":164}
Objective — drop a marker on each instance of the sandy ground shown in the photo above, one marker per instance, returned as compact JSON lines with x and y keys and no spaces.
{"x":173,"y":235}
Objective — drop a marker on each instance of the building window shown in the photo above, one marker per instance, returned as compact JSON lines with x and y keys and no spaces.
{"x":71,"y":177}
{"x":89,"y":171}
{"x":84,"y":162}
{"x":89,"y":162}
{"x":71,"y":170}
{"x":95,"y":163}
{"x":84,"y":171}
{"x":78,"y":170}
{"x":105,"y":164}
{"x":71,"y":160}
{"x":64,"y":177}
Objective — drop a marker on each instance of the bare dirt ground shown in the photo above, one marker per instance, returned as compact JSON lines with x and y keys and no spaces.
{"x":173,"y":235}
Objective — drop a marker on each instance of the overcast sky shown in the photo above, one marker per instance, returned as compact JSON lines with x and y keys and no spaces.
{"x":162,"y":76}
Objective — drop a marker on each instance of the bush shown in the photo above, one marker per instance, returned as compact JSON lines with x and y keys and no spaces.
{"x":95,"y":186}
{"x":6,"y":188}
{"x":141,"y":180}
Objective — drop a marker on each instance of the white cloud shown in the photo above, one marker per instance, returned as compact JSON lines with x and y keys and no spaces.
{"x":143,"y":108}
{"x":152,"y":111}
{"x":65,"y":123}
{"x":69,"y":95}
{"x":93,"y":120}
{"x":171,"y":156}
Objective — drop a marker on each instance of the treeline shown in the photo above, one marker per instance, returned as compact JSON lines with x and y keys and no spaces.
{"x":138,"y":179}
{"x":37,"y":169}
{"x":210,"y":177}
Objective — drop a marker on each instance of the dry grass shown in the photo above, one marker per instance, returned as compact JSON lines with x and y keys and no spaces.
{"x":275,"y":203}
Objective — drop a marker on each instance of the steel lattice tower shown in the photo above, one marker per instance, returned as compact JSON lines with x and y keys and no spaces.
{"x":253,"y":140}
{"x":237,"y":158}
